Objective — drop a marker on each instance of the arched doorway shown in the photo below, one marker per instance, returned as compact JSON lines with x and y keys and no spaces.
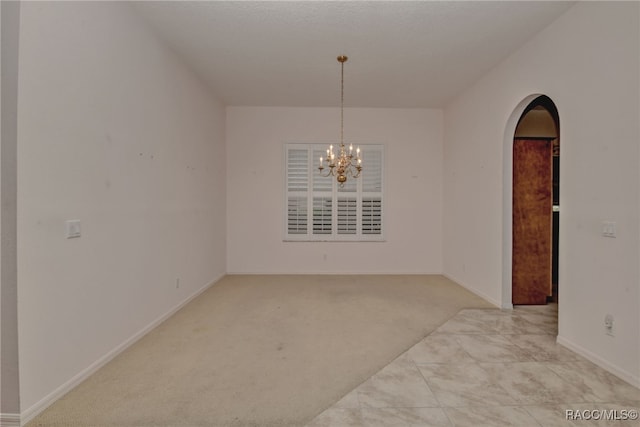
{"x":535,"y":217}
{"x":531,"y":203}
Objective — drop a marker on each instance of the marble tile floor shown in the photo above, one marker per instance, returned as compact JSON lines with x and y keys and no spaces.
{"x":488,"y":367}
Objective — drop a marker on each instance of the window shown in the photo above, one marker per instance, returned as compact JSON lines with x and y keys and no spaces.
{"x":318,"y":209}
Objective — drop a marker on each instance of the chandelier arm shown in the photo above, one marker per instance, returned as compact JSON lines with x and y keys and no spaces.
{"x":330,"y":171}
{"x":353,"y":171}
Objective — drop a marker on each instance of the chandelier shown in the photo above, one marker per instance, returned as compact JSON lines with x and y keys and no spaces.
{"x":346,"y":163}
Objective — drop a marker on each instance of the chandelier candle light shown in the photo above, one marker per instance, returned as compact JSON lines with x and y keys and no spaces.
{"x":345,"y":164}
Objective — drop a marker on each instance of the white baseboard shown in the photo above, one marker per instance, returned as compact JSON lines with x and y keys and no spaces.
{"x":632,"y":379}
{"x":45,"y":402}
{"x":474,"y":291}
{"x":333,"y":273}
{"x":9,"y":420}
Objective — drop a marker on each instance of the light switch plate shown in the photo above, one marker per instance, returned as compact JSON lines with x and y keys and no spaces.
{"x":73,"y":228}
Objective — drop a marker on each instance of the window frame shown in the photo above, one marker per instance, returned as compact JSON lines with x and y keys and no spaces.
{"x":337,"y":197}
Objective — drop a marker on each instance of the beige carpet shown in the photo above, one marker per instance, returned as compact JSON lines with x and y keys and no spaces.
{"x":262,"y":351}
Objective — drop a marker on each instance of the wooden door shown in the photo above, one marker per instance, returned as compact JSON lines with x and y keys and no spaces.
{"x":532,"y":220}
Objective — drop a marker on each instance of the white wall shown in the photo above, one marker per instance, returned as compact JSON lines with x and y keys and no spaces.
{"x":115,"y":131}
{"x":255,"y":196}
{"x":587,"y":62}
{"x":9,"y":377}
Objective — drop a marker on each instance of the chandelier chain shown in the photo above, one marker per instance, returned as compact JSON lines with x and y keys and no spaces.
{"x":342,"y":105}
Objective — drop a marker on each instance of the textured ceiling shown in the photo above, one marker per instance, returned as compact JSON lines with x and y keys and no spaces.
{"x":401,"y":54}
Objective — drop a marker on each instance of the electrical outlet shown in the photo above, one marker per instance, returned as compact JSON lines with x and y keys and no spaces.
{"x":608,"y":324}
{"x":73,"y":228}
{"x":178,"y":283}
{"x":609,"y":229}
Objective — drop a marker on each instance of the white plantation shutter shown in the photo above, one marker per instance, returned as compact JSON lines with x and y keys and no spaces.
{"x":372,"y":193}
{"x":347,"y":215}
{"x":297,"y":215}
{"x":297,"y":169}
{"x":322,"y":215}
{"x":317,"y":208}
{"x":297,"y":178}
{"x":322,"y":197}
{"x":320,"y":183}
{"x":372,"y":179}
{"x":371,"y":215}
